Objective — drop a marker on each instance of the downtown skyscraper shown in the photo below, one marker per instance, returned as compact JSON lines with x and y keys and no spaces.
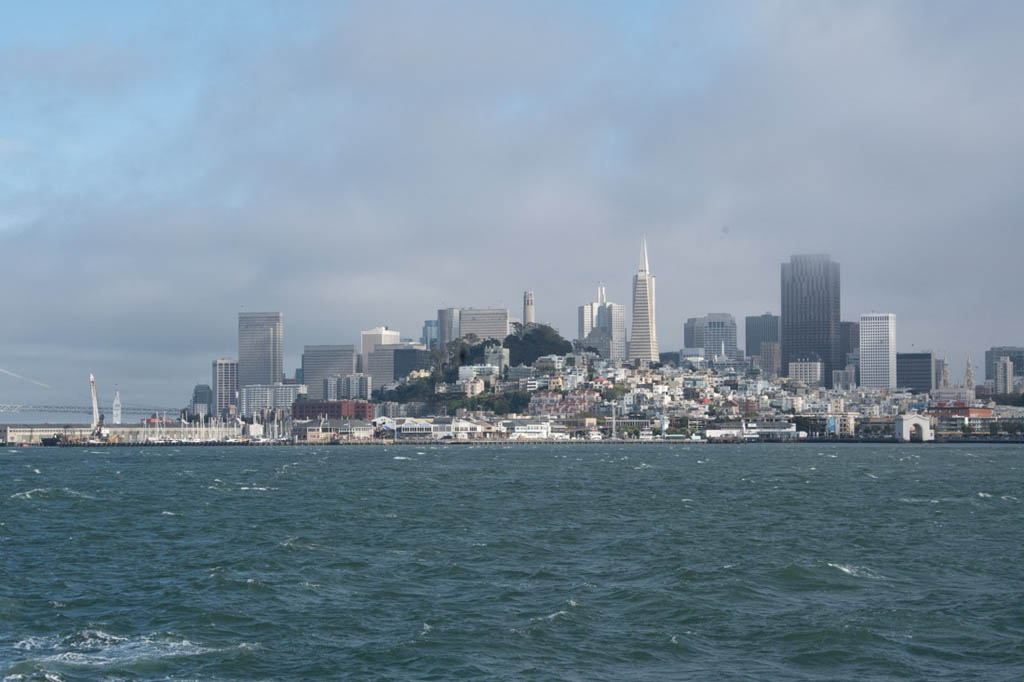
{"x":260,"y":349}
{"x":810,"y":313}
{"x":878,"y":351}
{"x":643,"y":342}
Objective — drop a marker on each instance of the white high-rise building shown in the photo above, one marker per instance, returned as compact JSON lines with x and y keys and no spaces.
{"x":878,"y":350}
{"x":1004,"y":375}
{"x":370,"y":339}
{"x":643,"y":344}
{"x":225,"y":385}
{"x":528,"y":313}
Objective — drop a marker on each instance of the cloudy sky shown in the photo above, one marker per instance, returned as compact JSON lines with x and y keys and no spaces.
{"x":165,"y":165}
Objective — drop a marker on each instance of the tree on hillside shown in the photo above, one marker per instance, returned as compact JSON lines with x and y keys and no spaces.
{"x":536,"y":341}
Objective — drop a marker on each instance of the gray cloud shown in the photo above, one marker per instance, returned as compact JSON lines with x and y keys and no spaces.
{"x":392,"y":159}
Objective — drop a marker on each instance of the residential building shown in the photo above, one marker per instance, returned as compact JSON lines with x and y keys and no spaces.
{"x":757,"y":329}
{"x":260,"y":349}
{"x":810,"y":312}
{"x":809,"y":372}
{"x":1015,"y":353}
{"x":321,"y":362}
{"x":497,"y":356}
{"x":643,"y":344}
{"x":915,"y":371}
{"x":1003,"y":380}
{"x":878,"y":351}
{"x":225,"y":386}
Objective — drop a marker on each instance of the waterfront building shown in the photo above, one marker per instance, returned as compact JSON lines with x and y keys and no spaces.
{"x":529,"y":317}
{"x":915,"y":371}
{"x":320,"y":362}
{"x":643,"y":343}
{"x":431,"y":336}
{"x":484,"y":323}
{"x":807,"y":371}
{"x":810,"y":312}
{"x":371,"y":338}
{"x":258,"y":397}
{"x":1003,"y":382}
{"x":878,"y":351}
{"x":260,"y":349}
{"x":757,"y":329}
{"x":1015,"y":353}
{"x":225,"y":386}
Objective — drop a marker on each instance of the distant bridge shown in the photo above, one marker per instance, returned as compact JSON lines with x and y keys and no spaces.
{"x":83,"y":409}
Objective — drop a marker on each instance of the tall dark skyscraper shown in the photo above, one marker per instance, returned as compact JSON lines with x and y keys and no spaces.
{"x":760,"y":328}
{"x":260,"y":349}
{"x":849,"y":340}
{"x":810,"y":313}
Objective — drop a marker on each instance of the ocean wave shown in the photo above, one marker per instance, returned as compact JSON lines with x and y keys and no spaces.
{"x":856,"y":571}
{"x":50,"y":493}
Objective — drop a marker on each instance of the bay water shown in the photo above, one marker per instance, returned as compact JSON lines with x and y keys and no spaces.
{"x":495,"y":562}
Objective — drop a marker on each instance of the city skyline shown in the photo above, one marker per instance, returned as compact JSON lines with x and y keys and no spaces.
{"x":161,"y":185}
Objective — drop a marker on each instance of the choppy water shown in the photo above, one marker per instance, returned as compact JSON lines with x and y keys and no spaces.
{"x":600,"y":562}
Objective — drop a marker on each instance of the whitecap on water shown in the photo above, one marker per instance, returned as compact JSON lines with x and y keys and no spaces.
{"x":167,"y":513}
{"x":984,"y":495}
{"x":427,"y":627}
{"x":855,"y":571}
{"x":399,"y":457}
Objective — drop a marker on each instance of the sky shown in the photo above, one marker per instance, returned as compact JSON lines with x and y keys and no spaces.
{"x":165,"y":165}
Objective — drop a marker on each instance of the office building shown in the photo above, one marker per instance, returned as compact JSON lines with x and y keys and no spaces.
{"x":202,"y":401}
{"x":693,"y":332}
{"x":643,"y":343}
{"x":528,"y":312}
{"x":320,"y":362}
{"x":260,"y":349}
{"x":1015,"y":353}
{"x":720,"y":336}
{"x":757,"y":329}
{"x":448,"y":328}
{"x":878,"y":351}
{"x":353,"y":386}
{"x":915,"y":372}
{"x":371,"y":338}
{"x":810,"y":312}
{"x":849,"y":339}
{"x":942,"y":374}
{"x":1003,"y":380}
{"x":431,"y":336}
{"x":770,"y":358}
{"x":602,"y":326}
{"x":484,"y":323}
{"x":225,"y":386}
{"x":390,"y":362}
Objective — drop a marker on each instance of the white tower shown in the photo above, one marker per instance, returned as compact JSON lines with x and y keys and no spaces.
{"x":643,"y":344}
{"x":116,"y":409}
{"x":528,"y":314}
{"x":878,"y":350}
{"x":95,"y":405}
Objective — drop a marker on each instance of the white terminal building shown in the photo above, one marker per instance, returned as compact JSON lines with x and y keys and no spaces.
{"x":878,"y":351}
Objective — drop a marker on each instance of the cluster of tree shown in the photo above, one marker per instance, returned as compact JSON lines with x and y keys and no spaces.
{"x":535,"y":341}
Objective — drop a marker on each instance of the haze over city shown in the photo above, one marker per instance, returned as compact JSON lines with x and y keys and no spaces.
{"x":169,"y":165}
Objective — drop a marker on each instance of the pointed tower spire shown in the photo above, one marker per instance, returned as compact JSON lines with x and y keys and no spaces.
{"x":969,"y":375}
{"x":646,"y":267}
